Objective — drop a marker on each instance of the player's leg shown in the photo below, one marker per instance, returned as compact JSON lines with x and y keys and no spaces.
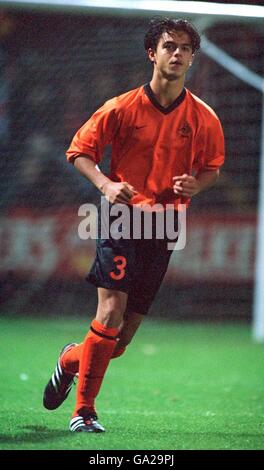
{"x":112,"y":273}
{"x":67,"y":366}
{"x":97,"y":350}
{"x":69,"y":360}
{"x":111,"y":306}
{"x":131,"y":323}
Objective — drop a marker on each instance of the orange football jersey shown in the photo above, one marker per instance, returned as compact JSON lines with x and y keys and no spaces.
{"x":151,"y":144}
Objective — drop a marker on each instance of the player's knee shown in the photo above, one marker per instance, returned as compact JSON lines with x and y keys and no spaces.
{"x":110,"y":312}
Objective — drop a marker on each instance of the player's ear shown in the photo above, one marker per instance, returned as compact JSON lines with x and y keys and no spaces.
{"x":151,"y":55}
{"x":191,"y":61}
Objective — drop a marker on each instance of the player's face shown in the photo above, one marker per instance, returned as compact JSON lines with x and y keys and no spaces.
{"x":173,"y":56}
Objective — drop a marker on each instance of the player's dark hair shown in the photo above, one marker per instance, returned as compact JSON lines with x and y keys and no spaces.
{"x":158,"y":26}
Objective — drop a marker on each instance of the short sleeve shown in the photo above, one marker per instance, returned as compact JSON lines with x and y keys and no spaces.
{"x":95,"y":134}
{"x":214,"y":151}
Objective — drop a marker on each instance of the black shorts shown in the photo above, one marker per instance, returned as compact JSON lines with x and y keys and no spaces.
{"x":134,"y":266}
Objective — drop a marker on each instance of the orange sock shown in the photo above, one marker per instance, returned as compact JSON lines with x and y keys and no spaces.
{"x":70,"y":360}
{"x":97,"y":350}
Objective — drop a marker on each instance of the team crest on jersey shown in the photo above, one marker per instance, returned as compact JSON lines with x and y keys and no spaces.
{"x":185,"y":130}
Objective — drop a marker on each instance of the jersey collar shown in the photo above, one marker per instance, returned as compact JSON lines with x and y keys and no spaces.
{"x":157,"y":105}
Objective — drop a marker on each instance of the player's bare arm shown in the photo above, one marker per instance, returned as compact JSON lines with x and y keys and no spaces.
{"x":188,"y":186}
{"x":114,"y":192}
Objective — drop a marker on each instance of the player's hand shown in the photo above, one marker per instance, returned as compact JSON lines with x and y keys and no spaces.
{"x":186,"y":185}
{"x":118,"y":192}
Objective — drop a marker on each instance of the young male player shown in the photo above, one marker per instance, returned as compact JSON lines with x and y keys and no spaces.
{"x":167,"y":146}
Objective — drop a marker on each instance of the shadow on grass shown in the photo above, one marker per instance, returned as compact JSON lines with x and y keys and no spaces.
{"x":33,"y":434}
{"x":189,"y":440}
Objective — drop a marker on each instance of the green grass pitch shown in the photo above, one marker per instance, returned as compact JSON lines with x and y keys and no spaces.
{"x":179,"y":386}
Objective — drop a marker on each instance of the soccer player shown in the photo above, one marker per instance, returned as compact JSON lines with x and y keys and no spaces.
{"x":167,"y":146}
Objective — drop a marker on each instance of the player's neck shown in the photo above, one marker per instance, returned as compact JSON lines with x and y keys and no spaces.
{"x":166,"y":92}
